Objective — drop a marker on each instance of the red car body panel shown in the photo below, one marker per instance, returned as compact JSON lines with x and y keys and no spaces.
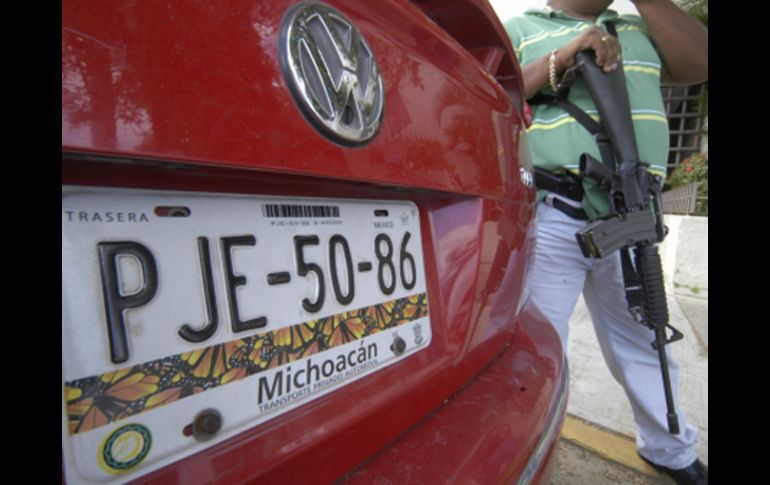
{"x":190,"y":96}
{"x":201,"y":82}
{"x":484,"y":417}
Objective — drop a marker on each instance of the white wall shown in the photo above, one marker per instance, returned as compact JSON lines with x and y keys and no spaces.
{"x":509,"y":8}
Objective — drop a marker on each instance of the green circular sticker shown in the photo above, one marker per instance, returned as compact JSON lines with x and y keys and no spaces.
{"x":125,"y":448}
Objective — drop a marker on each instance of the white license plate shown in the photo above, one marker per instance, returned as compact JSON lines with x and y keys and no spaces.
{"x":188,"y":318}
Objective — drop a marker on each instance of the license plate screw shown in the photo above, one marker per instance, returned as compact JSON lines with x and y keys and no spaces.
{"x":206,"y":424}
{"x":398,"y":346}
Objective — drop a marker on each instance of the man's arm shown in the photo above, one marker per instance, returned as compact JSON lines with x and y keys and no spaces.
{"x":681,"y":40}
{"x":604,"y":45}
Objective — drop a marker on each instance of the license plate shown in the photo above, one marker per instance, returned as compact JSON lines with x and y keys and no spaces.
{"x":189,"y":318}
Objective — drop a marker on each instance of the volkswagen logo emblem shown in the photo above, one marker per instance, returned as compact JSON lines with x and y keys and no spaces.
{"x":331,"y":73}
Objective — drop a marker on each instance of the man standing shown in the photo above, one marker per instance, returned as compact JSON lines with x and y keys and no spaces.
{"x":663,"y":43}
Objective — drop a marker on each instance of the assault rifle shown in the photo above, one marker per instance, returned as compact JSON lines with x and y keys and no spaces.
{"x":636,"y":223}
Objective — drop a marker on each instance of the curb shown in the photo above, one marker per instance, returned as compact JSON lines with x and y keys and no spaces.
{"x":608,"y":444}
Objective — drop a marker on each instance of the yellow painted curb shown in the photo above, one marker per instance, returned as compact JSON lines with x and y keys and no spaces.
{"x":607,"y":444}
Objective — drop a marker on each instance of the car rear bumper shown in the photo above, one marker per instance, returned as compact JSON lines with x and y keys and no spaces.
{"x":502,"y":427}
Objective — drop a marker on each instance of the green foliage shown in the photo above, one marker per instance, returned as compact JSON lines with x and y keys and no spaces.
{"x":694,"y":169}
{"x":697,"y":8}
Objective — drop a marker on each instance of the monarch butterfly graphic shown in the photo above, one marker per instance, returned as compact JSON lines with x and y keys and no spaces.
{"x":344,"y":328}
{"x":382,"y":316}
{"x":170,"y":395}
{"x":107,"y":398}
{"x":412,"y":308}
{"x":98,"y":400}
{"x":295,"y":337}
{"x":207,"y":362}
{"x":318,"y":344}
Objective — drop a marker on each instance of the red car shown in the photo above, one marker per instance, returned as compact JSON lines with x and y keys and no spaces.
{"x":295,"y":239}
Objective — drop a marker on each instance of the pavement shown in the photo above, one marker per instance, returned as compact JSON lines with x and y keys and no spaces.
{"x":598,"y":439}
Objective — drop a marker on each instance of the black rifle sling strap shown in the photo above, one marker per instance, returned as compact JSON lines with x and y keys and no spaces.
{"x":632,"y":285}
{"x":586,"y":121}
{"x":594,"y":128}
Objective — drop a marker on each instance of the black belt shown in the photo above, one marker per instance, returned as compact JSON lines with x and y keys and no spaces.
{"x":565,"y":185}
{"x":573,"y":212}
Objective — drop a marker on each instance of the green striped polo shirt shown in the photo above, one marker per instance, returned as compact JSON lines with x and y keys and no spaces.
{"x":555,"y":138}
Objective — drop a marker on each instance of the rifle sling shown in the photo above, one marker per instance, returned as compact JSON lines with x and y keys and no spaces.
{"x":631,"y":283}
{"x":593,"y":127}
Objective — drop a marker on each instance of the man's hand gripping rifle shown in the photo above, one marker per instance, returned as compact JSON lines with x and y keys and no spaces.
{"x":637,"y":220}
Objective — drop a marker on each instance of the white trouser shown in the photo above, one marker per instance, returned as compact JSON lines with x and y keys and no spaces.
{"x":559,"y":273}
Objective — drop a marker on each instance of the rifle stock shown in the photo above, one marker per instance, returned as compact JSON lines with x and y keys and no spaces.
{"x":610,"y":96}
